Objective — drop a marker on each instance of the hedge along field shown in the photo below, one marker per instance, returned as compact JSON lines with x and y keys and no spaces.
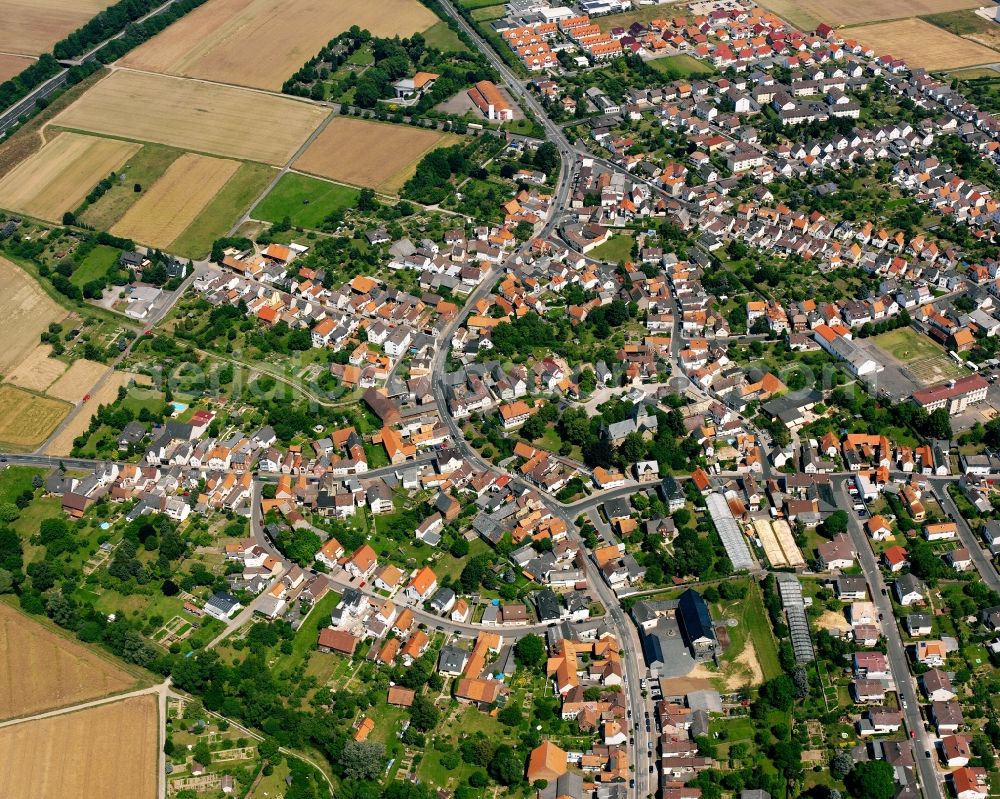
{"x":57,"y":178}
{"x":195,"y":116}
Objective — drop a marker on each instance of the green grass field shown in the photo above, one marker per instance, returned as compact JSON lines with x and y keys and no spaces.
{"x":615,"y":249}
{"x":95,"y":265}
{"x":224,"y":209}
{"x":144,"y":168}
{"x":305,"y":200}
{"x":14,"y":480}
{"x":681,"y":66}
{"x":906,"y":344}
{"x":489,"y":13}
{"x":442,"y":37}
{"x":473,"y":4}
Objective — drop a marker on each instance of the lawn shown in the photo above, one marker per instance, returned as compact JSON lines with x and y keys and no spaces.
{"x":760,"y":633}
{"x":223,"y":211}
{"x":443,"y":38}
{"x":15,"y":480}
{"x":681,"y":66}
{"x":305,"y":201}
{"x":308,"y":634}
{"x":617,"y":248}
{"x":906,"y":344}
{"x":489,"y":13}
{"x":95,"y":266}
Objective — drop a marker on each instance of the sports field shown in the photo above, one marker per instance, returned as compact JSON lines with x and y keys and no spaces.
{"x":195,"y":116}
{"x":31,"y":27}
{"x":109,"y":751}
{"x":906,"y":344}
{"x":57,"y":178}
{"x":62,"y":671}
{"x":11,"y":65}
{"x":306,"y":201}
{"x":807,"y":14}
{"x":27,"y":419}
{"x":921,"y":44}
{"x":25,"y":311}
{"x":175,"y":200}
{"x":261,"y":43}
{"x":374,"y":154}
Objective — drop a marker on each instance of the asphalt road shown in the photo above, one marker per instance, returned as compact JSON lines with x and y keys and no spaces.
{"x":980,"y":557}
{"x":899,"y":665}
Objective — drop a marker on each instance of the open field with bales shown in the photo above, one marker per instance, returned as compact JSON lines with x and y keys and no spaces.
{"x":200,"y":117}
{"x":62,"y":671}
{"x":807,"y":14}
{"x":38,"y":371}
{"x":290,"y":32}
{"x":106,"y":751}
{"x":78,"y":380}
{"x":31,"y":27}
{"x":304,"y":200}
{"x":921,"y":44}
{"x":57,"y":178}
{"x":373,"y":154}
{"x":28,"y":419}
{"x":11,"y":65}
{"x":25,"y":311}
{"x":175,"y":200}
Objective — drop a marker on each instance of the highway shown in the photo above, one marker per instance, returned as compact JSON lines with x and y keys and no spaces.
{"x":895,"y":652}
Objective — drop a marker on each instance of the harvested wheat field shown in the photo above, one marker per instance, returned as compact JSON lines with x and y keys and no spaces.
{"x":175,"y":200}
{"x":62,"y":671}
{"x":78,"y":380}
{"x":191,"y":115}
{"x":807,"y":14}
{"x":107,"y":393}
{"x":27,"y":419}
{"x":11,"y":65}
{"x":38,"y":371}
{"x":373,"y":154}
{"x":31,"y":27}
{"x":25,"y":311}
{"x":290,"y":32}
{"x":921,"y":44}
{"x":110,"y":751}
{"x":57,"y":178}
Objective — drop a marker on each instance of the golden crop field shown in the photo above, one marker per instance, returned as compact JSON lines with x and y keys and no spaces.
{"x":109,"y":751}
{"x":106,"y":394}
{"x":28,"y":419}
{"x":63,"y":672}
{"x":78,"y":380}
{"x":38,"y":371}
{"x":25,"y":311}
{"x":31,"y":27}
{"x":11,"y":65}
{"x":175,"y":200}
{"x":289,"y":32}
{"x":921,"y":44}
{"x":807,"y":14}
{"x":57,"y":178}
{"x":196,"y":116}
{"x":374,"y":154}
